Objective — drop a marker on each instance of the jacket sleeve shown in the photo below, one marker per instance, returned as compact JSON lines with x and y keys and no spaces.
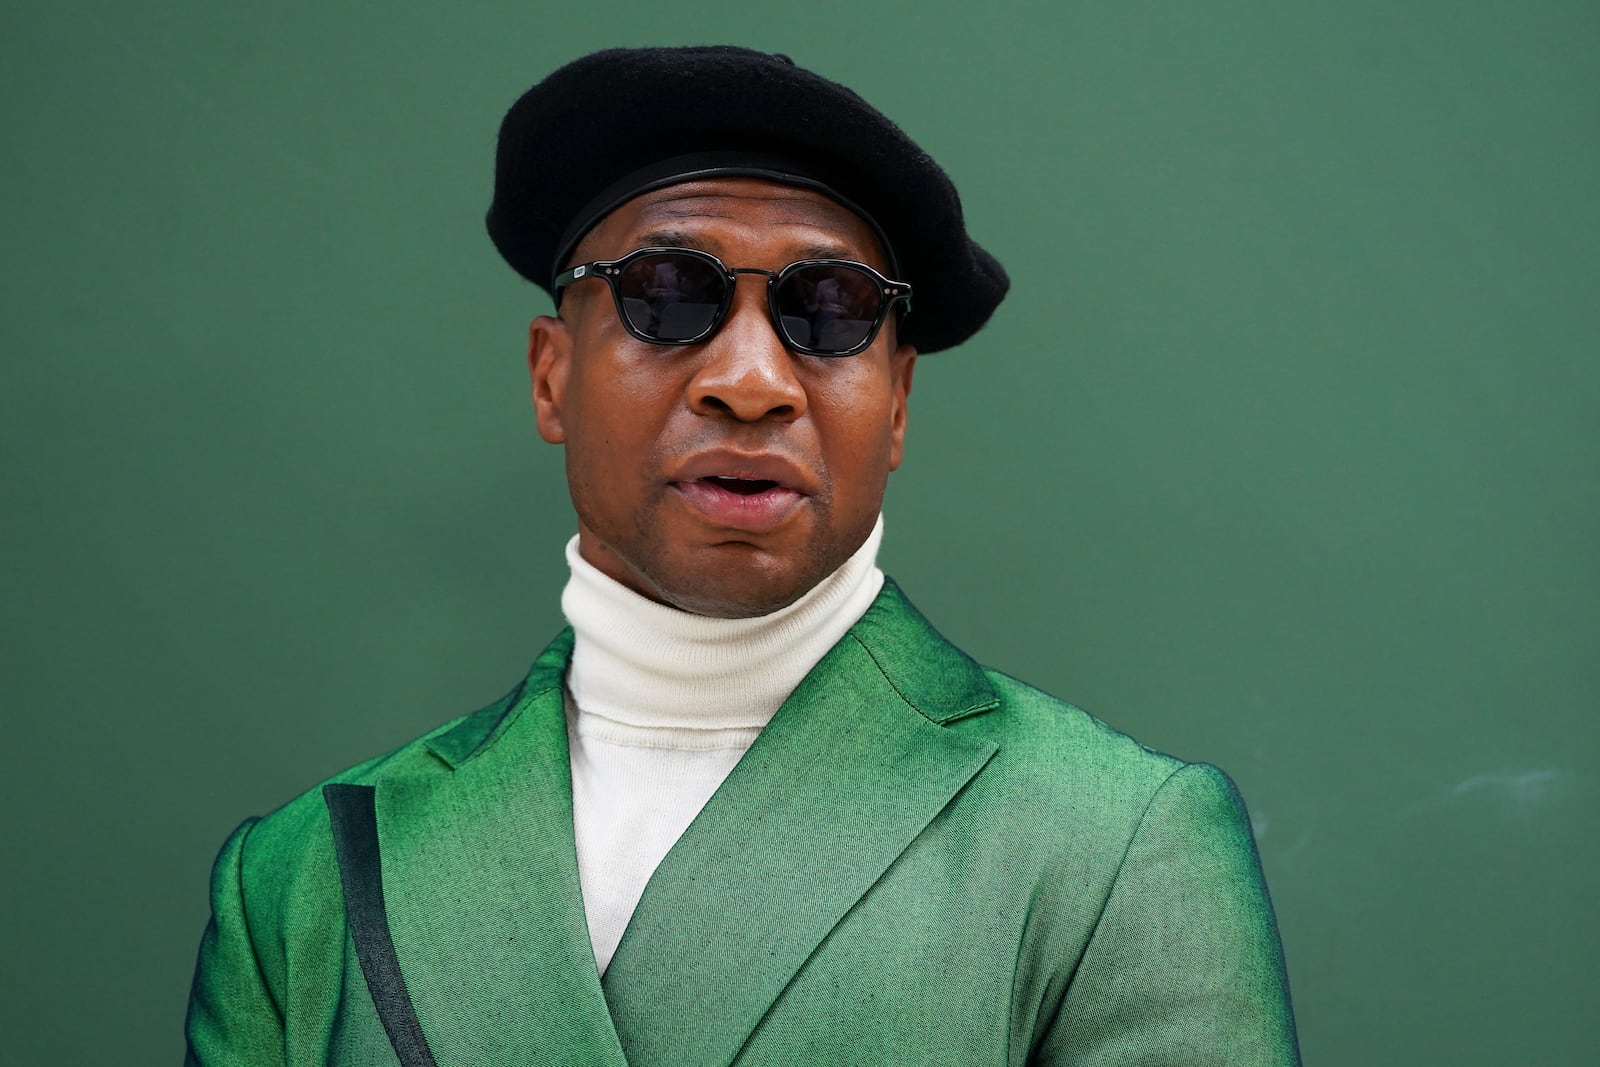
{"x":233,"y":1019}
{"x":1184,"y":966}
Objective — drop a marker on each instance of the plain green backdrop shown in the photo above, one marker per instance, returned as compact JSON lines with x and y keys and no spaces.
{"x":1282,"y":453}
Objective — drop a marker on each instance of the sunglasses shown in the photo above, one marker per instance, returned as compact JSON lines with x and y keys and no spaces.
{"x":680,"y":296}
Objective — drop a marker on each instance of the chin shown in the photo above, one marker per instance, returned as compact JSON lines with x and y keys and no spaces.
{"x":742,"y":601}
{"x":741,"y":588}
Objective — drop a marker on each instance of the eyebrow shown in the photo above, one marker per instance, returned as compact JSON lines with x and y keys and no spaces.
{"x":671,"y":239}
{"x":683,"y":239}
{"x":829,"y":252}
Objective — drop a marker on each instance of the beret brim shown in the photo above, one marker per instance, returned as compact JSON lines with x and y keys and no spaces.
{"x":571,"y":145}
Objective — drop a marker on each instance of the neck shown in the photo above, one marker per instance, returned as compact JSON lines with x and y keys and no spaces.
{"x":641,"y":663}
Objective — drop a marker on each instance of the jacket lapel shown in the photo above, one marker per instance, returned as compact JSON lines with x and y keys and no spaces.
{"x":850,"y":770}
{"x":480,"y":881}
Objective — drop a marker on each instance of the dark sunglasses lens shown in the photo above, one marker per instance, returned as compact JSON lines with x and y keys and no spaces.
{"x":827,"y":307}
{"x":671,"y":296}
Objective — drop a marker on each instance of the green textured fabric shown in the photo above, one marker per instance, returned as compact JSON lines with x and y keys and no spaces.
{"x":917,"y":862}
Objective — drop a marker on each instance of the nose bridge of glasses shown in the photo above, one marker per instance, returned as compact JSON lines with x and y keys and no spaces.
{"x":756,"y":302}
{"x":733,"y":285}
{"x":759,"y":300}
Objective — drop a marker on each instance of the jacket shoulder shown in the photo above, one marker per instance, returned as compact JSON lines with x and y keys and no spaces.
{"x":287,"y":871}
{"x":284,"y":829}
{"x":1075,"y":787}
{"x":1053,"y":762}
{"x":1047,"y":735}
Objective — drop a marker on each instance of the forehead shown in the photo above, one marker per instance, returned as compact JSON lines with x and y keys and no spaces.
{"x":736,"y":216}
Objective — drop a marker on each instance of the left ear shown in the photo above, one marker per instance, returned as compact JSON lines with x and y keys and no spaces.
{"x":901,"y":363}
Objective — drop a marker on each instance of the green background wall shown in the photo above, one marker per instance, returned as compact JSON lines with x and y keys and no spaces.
{"x":1282,"y":455}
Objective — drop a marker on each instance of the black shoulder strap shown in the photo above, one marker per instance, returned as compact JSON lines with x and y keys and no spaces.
{"x":355,"y":842}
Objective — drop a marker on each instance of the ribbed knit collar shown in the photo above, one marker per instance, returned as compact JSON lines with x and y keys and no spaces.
{"x":646,"y":664}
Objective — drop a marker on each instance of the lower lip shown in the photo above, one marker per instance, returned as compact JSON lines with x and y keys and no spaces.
{"x":754,"y":512}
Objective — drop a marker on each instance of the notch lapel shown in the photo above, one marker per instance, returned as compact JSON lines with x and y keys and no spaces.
{"x":480,"y":882}
{"x":847,"y":774}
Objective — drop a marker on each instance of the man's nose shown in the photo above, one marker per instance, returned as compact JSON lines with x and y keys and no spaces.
{"x":746,"y":371}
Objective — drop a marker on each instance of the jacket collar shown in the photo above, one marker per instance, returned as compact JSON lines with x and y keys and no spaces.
{"x":847,"y":774}
{"x":480,"y":871}
{"x":457,"y":742}
{"x":480,"y":878}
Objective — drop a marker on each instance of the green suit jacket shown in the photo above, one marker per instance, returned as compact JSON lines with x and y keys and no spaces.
{"x":918,"y":861}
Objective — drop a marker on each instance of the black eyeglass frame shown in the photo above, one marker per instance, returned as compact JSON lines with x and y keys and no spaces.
{"x":890,"y":291}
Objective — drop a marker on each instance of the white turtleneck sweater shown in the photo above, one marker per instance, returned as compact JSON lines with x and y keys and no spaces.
{"x":661,"y":704}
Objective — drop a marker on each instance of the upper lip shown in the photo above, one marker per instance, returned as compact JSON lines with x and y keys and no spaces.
{"x":751,"y":466}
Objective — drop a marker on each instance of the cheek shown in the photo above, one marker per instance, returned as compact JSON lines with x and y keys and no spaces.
{"x":856,"y":421}
{"x":617,"y":411}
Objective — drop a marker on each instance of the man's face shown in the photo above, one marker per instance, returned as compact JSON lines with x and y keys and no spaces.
{"x":729,"y":477}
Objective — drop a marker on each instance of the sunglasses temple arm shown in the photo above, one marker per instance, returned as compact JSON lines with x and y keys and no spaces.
{"x":567,"y":277}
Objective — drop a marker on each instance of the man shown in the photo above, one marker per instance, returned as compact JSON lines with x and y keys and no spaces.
{"x":751,"y":807}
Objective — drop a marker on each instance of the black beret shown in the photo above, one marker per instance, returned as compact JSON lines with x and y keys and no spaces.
{"x":614,"y":124}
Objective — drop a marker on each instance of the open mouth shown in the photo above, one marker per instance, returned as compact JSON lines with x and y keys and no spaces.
{"x":731,"y":502}
{"x":742,"y":486}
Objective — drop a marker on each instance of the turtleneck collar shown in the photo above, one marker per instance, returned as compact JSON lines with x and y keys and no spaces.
{"x":649,"y":665}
